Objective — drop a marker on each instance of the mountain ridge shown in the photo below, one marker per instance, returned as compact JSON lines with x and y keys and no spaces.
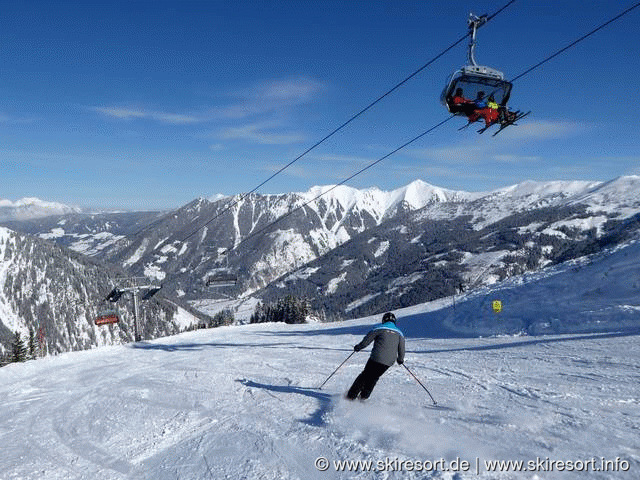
{"x":354,"y":233}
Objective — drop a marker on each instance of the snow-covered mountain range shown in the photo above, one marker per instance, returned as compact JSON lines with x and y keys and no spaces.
{"x":355,"y":252}
{"x":444,"y":247}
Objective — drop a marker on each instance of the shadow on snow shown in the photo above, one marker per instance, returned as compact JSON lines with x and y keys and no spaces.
{"x":183,"y":347}
{"x":316,"y":419}
{"x":531,"y":341}
{"x":431,"y":325}
{"x":176,"y":347}
{"x":422,"y":325}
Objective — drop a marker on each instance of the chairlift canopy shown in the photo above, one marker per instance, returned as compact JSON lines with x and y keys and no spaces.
{"x":114,"y":295}
{"x":151,"y":292}
{"x":474,"y":79}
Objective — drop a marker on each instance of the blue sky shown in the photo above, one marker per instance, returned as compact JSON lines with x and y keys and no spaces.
{"x":148,"y":105}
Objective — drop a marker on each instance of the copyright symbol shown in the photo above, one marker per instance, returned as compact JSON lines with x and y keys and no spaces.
{"x":322,"y":464}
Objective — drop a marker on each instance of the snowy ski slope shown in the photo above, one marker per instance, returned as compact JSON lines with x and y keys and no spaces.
{"x":240,"y":402}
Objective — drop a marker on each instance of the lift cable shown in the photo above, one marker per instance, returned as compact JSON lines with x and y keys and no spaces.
{"x":336,"y":130}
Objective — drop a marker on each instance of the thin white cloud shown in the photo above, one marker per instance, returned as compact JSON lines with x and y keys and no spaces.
{"x":134,"y":113}
{"x":262,"y":133}
{"x":10,"y":120}
{"x":542,"y":130}
{"x":471,"y":154}
{"x":176,"y":118}
{"x":124,"y":113}
{"x":270,"y":96}
{"x":503,"y":148}
{"x":260,"y":100}
{"x":336,"y":158}
{"x":456,"y":154}
{"x":291,"y":91}
{"x":514,"y":158}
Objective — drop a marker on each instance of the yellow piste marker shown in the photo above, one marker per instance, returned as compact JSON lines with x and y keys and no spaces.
{"x":497,"y":306}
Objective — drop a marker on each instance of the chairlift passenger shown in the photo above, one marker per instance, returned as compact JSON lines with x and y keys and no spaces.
{"x":460,"y":104}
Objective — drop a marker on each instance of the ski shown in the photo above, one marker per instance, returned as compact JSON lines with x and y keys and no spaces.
{"x":483,"y":129}
{"x":442,"y":408}
{"x":512,"y":122}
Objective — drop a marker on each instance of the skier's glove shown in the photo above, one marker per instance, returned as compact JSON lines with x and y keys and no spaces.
{"x":356,"y":349}
{"x":400,"y":362}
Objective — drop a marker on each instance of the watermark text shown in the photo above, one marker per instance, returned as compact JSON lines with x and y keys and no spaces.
{"x":477,"y":465}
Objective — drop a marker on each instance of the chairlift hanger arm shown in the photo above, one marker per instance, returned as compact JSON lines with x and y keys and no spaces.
{"x":474,"y":23}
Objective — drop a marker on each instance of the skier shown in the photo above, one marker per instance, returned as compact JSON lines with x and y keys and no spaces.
{"x":388,"y":347}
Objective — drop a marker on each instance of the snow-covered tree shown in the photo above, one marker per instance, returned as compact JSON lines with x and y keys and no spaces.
{"x":225,"y":317}
{"x":18,"y":349}
{"x":33,"y":349}
{"x":289,"y":309}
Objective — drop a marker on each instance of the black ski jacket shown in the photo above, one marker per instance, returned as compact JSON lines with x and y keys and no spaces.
{"x":388,"y":344}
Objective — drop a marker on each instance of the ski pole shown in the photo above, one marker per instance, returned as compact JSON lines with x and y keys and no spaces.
{"x":334,"y":372}
{"x":417,"y":380}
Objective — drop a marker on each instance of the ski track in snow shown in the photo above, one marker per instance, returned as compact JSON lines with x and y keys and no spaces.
{"x":241,"y":402}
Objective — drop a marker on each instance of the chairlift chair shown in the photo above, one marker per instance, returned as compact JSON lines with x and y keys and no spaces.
{"x":107,"y":317}
{"x":222,"y":278}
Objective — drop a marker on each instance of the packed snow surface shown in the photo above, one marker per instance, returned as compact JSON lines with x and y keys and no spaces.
{"x":243,"y":402}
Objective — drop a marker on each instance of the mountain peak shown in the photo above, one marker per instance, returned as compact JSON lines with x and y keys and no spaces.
{"x":419,"y":193}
